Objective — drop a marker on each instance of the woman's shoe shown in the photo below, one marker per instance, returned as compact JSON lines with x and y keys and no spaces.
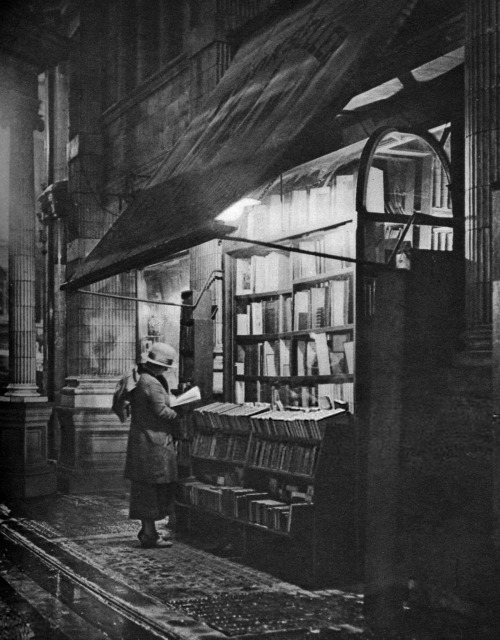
{"x":166,"y":534}
{"x":148,"y":542}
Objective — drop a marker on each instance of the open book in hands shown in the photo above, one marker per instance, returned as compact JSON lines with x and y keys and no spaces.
{"x":191,"y":395}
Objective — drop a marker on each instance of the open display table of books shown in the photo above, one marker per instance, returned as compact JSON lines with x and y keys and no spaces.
{"x":279,"y":486}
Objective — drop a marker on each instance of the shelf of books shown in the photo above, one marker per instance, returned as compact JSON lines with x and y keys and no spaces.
{"x":258,"y":469}
{"x":195,"y":366}
{"x":293,"y":321}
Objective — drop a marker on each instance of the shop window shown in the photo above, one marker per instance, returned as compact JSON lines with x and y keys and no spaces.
{"x":162,"y":282}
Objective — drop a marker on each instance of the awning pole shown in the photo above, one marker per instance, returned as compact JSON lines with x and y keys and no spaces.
{"x":280,"y":247}
{"x":171,"y":304}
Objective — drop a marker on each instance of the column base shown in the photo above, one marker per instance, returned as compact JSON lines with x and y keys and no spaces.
{"x":22,"y":391}
{"x":478,"y":350}
{"x":35,"y":484}
{"x":25,"y":470}
{"x":383,"y":609}
{"x":93,"y":440}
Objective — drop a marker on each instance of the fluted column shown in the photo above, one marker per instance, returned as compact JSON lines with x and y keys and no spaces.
{"x":482,"y":123}
{"x":22,"y":334}
{"x":25,"y":471}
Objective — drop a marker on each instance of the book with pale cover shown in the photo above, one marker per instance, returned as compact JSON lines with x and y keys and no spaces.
{"x":191,"y":395}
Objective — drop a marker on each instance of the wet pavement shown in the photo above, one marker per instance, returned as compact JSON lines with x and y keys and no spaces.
{"x":71,"y":567}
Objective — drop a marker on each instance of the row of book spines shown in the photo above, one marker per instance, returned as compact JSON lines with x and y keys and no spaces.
{"x":247,"y":505}
{"x":304,"y":430}
{"x":237,"y":424}
{"x":281,"y":456}
{"x":230,"y":501}
{"x":266,"y":316}
{"x":273,"y":359}
{"x":184,"y":450}
{"x":327,"y":305}
{"x":263,"y":273}
{"x":260,"y":274}
{"x":296,"y":396}
{"x":339,"y":243}
{"x":294,"y":210}
{"x":227,"y":415}
{"x":220,"y":446}
{"x":268,"y":358}
{"x":271,"y":514}
{"x":294,"y":425}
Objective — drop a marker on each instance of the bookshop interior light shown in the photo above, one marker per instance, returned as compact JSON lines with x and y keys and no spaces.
{"x":235,"y":211}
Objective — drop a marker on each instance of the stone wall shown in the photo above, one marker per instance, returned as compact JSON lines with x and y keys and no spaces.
{"x":442,"y":553}
{"x":446,"y":497}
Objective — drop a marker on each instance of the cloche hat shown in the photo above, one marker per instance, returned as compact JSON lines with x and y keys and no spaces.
{"x":162,"y":354}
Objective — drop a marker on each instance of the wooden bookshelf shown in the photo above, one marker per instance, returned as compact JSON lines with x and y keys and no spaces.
{"x":272,"y":492}
{"x":195,"y":366}
{"x":290,"y":319}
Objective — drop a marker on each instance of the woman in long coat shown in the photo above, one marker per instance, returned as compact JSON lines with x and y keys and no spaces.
{"x":151,"y":463}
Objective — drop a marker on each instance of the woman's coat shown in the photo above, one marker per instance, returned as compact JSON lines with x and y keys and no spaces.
{"x":151,"y":456}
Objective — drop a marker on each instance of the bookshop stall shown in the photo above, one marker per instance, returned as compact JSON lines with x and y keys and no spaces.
{"x":279,"y":464}
{"x":294,"y":312}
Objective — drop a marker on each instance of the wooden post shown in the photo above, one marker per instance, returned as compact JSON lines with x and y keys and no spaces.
{"x":383,"y":588}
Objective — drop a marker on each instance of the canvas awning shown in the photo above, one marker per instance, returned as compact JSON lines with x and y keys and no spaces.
{"x":267,"y":114}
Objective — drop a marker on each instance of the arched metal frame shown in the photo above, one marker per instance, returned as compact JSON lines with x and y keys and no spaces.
{"x":364,"y":216}
{"x":365,"y":164}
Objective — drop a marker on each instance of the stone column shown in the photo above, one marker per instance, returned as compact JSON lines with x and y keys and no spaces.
{"x":24,"y":414}
{"x":496,"y":361}
{"x":482,"y":123}
{"x":482,"y":231}
{"x":22,"y":336}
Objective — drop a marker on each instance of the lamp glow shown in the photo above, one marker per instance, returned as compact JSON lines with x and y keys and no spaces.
{"x":235,"y":211}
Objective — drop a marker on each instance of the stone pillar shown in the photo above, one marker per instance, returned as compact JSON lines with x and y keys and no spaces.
{"x":482,"y":66}
{"x":496,"y":361}
{"x":24,"y":414}
{"x":100,"y":332}
{"x":482,"y":123}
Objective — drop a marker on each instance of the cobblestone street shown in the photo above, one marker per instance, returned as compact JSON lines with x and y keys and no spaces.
{"x":200,"y":591}
{"x":71,"y":567}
